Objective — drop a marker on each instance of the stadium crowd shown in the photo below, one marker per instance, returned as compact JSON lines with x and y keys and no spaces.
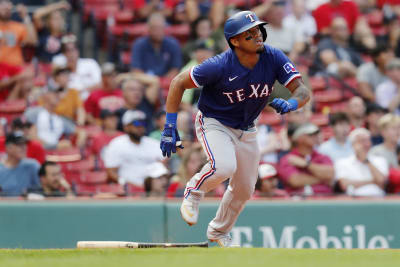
{"x":75,"y":126}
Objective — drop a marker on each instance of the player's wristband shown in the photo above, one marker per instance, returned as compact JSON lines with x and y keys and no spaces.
{"x":171,"y":118}
{"x":293,"y":104}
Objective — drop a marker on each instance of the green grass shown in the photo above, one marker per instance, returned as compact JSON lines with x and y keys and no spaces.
{"x":202,"y":257}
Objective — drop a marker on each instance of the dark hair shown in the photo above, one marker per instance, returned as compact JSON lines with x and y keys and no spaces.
{"x":291,"y":129}
{"x":379,"y":49}
{"x":42,"y":170}
{"x":337,"y":117}
{"x":193,"y":26}
{"x":375,"y":108}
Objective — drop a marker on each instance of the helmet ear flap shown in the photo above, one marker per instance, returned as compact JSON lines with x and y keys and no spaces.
{"x":263,"y":31}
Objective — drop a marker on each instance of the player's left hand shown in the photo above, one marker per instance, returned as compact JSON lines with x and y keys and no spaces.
{"x":170,"y":140}
{"x":283,"y":106}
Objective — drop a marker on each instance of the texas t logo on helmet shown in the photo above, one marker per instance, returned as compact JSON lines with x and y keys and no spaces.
{"x":241,"y":22}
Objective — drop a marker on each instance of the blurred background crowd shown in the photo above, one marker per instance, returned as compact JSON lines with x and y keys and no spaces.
{"x":83,"y":85}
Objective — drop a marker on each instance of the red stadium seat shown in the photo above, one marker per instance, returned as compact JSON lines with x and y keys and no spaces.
{"x":89,"y":190}
{"x":78,"y":166}
{"x":93,"y":177}
{"x":134,"y":189}
{"x":64,"y":155}
{"x":180,"y":32}
{"x":13,"y":106}
{"x":92,"y":130}
{"x":330,"y":95}
{"x":317,"y":83}
{"x":375,"y":18}
{"x":123,"y":17}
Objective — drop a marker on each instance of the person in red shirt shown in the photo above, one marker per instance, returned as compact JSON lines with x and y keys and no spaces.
{"x":325,"y":13}
{"x":107,"y":97}
{"x":12,"y":79}
{"x":303,"y":168}
{"x":34,"y":149}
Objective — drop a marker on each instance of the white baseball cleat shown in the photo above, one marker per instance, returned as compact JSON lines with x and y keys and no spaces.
{"x":224,"y":241}
{"x":190,"y":207}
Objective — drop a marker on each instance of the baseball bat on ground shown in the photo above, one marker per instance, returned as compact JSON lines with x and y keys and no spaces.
{"x":124,"y":244}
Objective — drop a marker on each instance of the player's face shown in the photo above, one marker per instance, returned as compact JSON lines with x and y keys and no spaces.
{"x":251,"y":40}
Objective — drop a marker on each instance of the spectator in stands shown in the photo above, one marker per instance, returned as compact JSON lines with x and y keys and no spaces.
{"x":327,"y":12}
{"x":269,"y":143}
{"x":53,"y":181}
{"x":14,"y":80}
{"x":191,"y":163}
{"x":300,"y":20}
{"x":373,"y":113}
{"x":206,"y":8}
{"x":127,"y":156}
{"x":201,"y":31}
{"x":288,"y":39}
{"x":203,"y":49}
{"x":52,"y":127}
{"x":338,"y":146}
{"x":303,"y":166}
{"x":85,"y":72}
{"x":267,"y":183}
{"x":388,"y":93}
{"x":109,"y":122}
{"x":356,"y":112}
{"x":69,"y":104}
{"x":15,"y":35}
{"x":109,"y":96}
{"x":389,"y":126}
{"x":362,"y":174}
{"x":159,"y":122}
{"x":371,"y":74}
{"x":50,"y":24}
{"x":155,"y":185}
{"x":156,"y":54}
{"x":334,"y":54}
{"x":18,"y":174}
{"x":140,"y":92}
{"x":34,"y":149}
{"x":145,"y":8}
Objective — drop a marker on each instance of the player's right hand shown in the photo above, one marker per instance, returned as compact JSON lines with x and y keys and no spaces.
{"x":283,"y":106}
{"x":169,"y":140}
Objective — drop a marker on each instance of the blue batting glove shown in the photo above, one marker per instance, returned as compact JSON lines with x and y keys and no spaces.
{"x":283,"y":106}
{"x":170,"y":136}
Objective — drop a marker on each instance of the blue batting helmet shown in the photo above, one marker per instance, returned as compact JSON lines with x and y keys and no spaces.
{"x":241,"y":22}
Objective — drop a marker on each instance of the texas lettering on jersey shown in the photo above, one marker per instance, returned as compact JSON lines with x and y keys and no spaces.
{"x":239,"y":95}
{"x":234,"y":94}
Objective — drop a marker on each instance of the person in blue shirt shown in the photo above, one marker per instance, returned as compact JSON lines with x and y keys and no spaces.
{"x":236,"y":86}
{"x":18,"y":174}
{"x":156,"y":54}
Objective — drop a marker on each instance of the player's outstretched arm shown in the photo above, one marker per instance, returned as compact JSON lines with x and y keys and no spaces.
{"x":170,"y":136}
{"x":300,"y":96}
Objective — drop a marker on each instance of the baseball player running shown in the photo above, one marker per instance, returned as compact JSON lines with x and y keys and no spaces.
{"x":236,"y":86}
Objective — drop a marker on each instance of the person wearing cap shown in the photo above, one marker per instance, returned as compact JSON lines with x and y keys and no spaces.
{"x":338,"y":146}
{"x":362,"y":174}
{"x":109,"y":122}
{"x":34,"y":149}
{"x":14,"y":35}
{"x":69,"y":104}
{"x":388,"y":93}
{"x":127,"y":156}
{"x":304,"y":166}
{"x":267,"y":183}
{"x":108,"y":96}
{"x":85,"y":72}
{"x":155,"y":184}
{"x":140,"y":92}
{"x":389,"y":126}
{"x":18,"y":174}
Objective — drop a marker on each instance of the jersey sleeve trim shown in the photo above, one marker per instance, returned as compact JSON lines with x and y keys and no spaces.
{"x":298,"y":75}
{"x":192,"y":77}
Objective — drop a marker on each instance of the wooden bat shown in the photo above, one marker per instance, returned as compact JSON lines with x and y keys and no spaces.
{"x":124,"y":244}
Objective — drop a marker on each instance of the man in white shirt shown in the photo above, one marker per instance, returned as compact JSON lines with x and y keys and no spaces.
{"x":388,"y":93}
{"x":85,"y":72}
{"x":362,"y":174}
{"x":126,"y":157}
{"x":300,"y":20}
